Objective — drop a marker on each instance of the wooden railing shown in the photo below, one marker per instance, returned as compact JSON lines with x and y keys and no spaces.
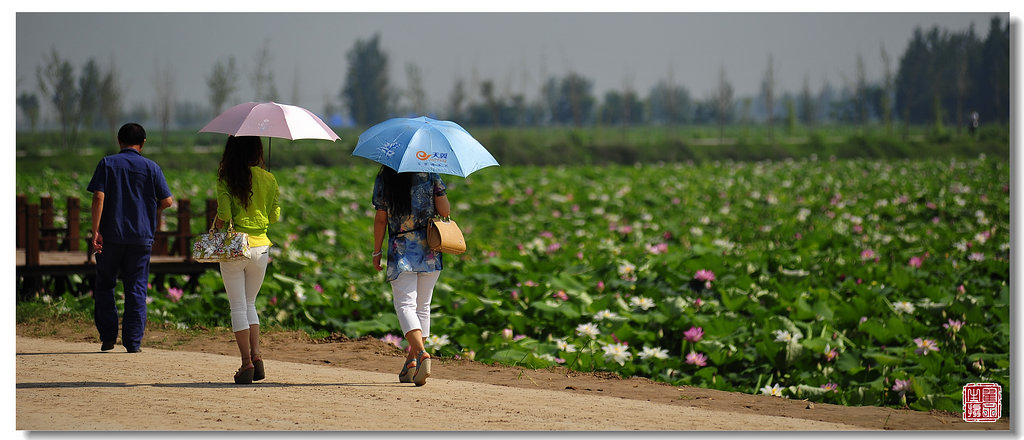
{"x":37,"y":231}
{"x":49,"y":256}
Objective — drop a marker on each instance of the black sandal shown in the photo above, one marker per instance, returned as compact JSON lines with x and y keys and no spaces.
{"x":244,"y":374}
{"x":258,"y":372}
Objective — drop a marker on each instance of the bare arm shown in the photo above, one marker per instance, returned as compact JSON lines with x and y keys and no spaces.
{"x":97,"y":214}
{"x":441,"y":205}
{"x":165,"y":203}
{"x":380,"y":224}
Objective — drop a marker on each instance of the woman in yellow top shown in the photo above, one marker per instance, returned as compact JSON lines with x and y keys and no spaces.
{"x":247,"y":196}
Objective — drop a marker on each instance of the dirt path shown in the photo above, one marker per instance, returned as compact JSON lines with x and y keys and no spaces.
{"x":183,"y":382}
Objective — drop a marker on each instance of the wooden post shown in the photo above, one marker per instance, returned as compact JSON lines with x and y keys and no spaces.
{"x":184,"y":227}
{"x":74,"y":224}
{"x":48,"y":236}
{"x":32,"y":235}
{"x":21,"y":212}
{"x":159,"y":236}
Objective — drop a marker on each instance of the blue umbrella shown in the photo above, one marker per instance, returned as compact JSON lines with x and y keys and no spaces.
{"x":423,"y":145}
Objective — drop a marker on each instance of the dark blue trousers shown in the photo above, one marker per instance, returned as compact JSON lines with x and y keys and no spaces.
{"x":130,"y":263}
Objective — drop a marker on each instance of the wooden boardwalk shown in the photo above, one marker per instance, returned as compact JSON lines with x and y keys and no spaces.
{"x":77,"y":262}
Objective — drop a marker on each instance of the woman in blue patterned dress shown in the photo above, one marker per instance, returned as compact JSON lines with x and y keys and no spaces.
{"x":405,"y":203}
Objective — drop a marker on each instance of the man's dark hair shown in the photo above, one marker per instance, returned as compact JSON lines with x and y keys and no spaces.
{"x":131,"y":134}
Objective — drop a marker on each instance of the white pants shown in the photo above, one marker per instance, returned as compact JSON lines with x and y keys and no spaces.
{"x":242,"y":281}
{"x":412,"y":292}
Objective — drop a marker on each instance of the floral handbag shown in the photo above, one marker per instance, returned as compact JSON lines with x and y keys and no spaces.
{"x":218,"y":247}
{"x":444,"y":235}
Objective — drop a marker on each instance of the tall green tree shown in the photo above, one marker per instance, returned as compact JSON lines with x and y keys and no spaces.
{"x":887,"y":89}
{"x":860,"y":93}
{"x":415,"y":93}
{"x":993,"y":73}
{"x":570,"y":99}
{"x":222,"y":83}
{"x":768,"y":95}
{"x":56,"y":79}
{"x":367,"y":90}
{"x":29,"y":105}
{"x":669,"y":103}
{"x":163,"y":106}
{"x":621,"y":108}
{"x":808,"y":108}
{"x":723,"y":102}
{"x":262,"y":77}
{"x":111,"y":100}
{"x":457,"y":99}
{"x":89,"y":94}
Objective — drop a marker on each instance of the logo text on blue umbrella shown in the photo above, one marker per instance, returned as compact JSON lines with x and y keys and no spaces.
{"x":436,"y":157}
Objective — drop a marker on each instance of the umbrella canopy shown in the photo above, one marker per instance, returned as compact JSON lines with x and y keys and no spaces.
{"x":423,"y":145}
{"x":272,"y":120}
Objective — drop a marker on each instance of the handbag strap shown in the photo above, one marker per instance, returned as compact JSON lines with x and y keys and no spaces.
{"x":231,"y":227}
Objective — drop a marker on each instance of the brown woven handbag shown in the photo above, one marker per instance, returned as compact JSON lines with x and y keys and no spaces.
{"x":444,"y":235}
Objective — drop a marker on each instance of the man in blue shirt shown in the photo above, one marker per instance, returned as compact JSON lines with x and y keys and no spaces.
{"x":128,"y":193}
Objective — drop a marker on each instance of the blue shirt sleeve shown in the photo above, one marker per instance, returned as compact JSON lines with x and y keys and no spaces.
{"x":162,"y":191}
{"x":99,"y":177}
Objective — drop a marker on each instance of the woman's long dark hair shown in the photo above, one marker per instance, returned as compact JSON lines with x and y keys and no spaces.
{"x":397,"y":191}
{"x":240,"y":153}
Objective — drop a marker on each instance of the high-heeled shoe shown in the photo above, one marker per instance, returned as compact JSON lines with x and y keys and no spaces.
{"x":244,"y":374}
{"x":258,"y":373}
{"x":408,"y":371}
{"x":422,"y":369}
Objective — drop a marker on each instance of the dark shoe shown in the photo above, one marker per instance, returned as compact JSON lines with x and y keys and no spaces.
{"x":257,"y":372}
{"x":134,"y":350}
{"x":422,"y":369}
{"x":408,"y":371}
{"x":107,"y":346}
{"x":244,"y":374}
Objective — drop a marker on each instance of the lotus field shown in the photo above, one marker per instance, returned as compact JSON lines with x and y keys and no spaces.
{"x":853,"y":281}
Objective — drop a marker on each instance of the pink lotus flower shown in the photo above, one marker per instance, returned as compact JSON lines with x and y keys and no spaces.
{"x":901,"y":386}
{"x":867,"y":254}
{"x":657,"y":249}
{"x":694,"y":334}
{"x":273,"y":301}
{"x":175,"y":294}
{"x":924,"y":346}
{"x":830,"y":353}
{"x":830,"y":387}
{"x":561,"y":295}
{"x":953,"y":325}
{"x":392,"y":339}
{"x":698,"y":359}
{"x":704,"y":275}
{"x":915,"y":262}
{"x":318,"y":288}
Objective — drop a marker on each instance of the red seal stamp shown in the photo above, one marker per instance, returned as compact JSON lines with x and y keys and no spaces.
{"x":983,"y":402}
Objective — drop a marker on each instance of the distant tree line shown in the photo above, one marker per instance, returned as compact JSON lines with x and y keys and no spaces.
{"x":940,"y":79}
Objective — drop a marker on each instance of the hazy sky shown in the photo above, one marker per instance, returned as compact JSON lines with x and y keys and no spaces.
{"x":515,"y":50}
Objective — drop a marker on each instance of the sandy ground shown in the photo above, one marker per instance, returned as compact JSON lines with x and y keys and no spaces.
{"x":183,"y":382}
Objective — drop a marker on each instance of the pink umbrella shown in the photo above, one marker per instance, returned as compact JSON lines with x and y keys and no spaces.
{"x":272,"y":120}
